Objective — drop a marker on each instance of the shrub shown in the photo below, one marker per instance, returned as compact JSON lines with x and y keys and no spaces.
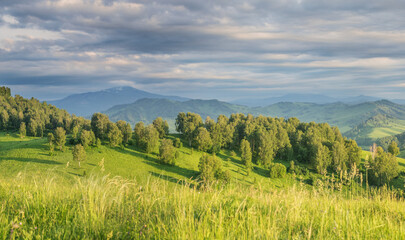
{"x":291,"y":168}
{"x":178,"y":143}
{"x":313,"y":179}
{"x":298,"y":170}
{"x":211,"y":170}
{"x":277,"y":170}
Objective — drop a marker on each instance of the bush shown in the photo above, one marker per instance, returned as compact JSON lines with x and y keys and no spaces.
{"x":210,"y":168}
{"x":291,"y":168}
{"x":313,"y":179}
{"x":298,"y":170}
{"x":178,"y":143}
{"x":277,"y":170}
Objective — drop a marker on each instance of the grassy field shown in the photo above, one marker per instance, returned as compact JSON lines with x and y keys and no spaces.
{"x":31,"y":156}
{"x":115,"y":208}
{"x":44,"y":197}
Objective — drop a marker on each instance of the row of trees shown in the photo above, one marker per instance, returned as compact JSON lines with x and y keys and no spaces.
{"x":261,"y":139}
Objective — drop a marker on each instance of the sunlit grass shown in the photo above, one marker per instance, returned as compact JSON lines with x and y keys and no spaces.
{"x":103,"y":207}
{"x":135,"y":197}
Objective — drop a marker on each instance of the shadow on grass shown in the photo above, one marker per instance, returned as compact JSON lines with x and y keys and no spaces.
{"x":233,"y":160}
{"x":34,"y":160}
{"x":187,"y":173}
{"x":153,"y":161}
{"x":33,"y":144}
{"x":75,"y":174}
{"x":401,"y":164}
{"x":172,"y":179}
{"x":261,"y":171}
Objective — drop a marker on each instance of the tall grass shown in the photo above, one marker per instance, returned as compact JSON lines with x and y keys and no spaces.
{"x":115,"y":208}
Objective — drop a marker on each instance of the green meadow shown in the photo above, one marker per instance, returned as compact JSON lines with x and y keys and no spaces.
{"x":132,"y":196}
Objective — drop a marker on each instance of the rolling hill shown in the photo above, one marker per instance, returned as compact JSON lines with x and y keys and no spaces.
{"x":85,"y":104}
{"x":378,"y":126}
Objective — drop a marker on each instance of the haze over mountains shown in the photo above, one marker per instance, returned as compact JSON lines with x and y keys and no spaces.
{"x":345,"y":116}
{"x":85,"y":104}
{"x":304,"y":98}
{"x":352,"y":115}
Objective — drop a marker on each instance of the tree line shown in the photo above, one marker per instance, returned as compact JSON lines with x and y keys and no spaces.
{"x":262,"y":139}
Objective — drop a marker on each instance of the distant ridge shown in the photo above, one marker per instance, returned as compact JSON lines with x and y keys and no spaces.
{"x":85,"y":104}
{"x":147,"y":109}
{"x":303,"y":98}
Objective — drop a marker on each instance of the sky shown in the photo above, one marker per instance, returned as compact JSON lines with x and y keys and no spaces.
{"x":221,"y":49}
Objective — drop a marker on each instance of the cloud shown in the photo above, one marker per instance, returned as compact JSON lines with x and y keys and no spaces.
{"x":205,"y":49}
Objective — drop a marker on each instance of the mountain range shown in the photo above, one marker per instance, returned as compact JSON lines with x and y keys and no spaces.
{"x":357,"y":117}
{"x":304,"y":98}
{"x":345,"y":116}
{"x":85,"y":104}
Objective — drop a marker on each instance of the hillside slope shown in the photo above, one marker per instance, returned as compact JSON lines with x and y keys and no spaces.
{"x":378,"y":126}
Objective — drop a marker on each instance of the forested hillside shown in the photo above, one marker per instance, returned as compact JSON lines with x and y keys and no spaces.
{"x":32,"y":117}
{"x":399,"y":139}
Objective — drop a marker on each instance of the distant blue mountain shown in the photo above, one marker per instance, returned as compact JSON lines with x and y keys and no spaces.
{"x":85,"y":104}
{"x":399,"y":101}
{"x":302,"y":98}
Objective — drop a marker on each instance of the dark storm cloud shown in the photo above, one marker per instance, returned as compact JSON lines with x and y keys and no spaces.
{"x":180,"y":46}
